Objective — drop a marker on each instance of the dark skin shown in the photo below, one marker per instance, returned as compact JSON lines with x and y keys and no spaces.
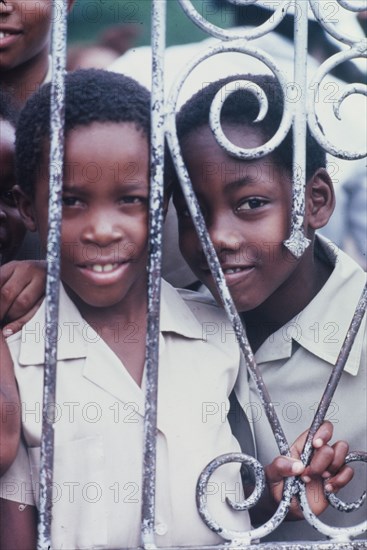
{"x":247,"y":207}
{"x":80,"y":202}
{"x":18,"y":526}
{"x":24,"y":52}
{"x":104,"y":233}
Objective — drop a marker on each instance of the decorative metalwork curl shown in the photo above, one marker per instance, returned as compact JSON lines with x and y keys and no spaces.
{"x":223,"y":141}
{"x":238,"y":46}
{"x":320,"y":74}
{"x":227,"y":34}
{"x":353,"y":7}
{"x":348,"y":90}
{"x":330,"y":27}
{"x":242,"y":537}
{"x":334,"y":501}
{"x":340,"y":534}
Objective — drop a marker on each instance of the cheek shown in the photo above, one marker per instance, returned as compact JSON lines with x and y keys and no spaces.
{"x":189,"y":244}
{"x":37,"y":22}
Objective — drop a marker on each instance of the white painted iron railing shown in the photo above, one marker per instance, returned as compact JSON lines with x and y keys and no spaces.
{"x":242,"y":41}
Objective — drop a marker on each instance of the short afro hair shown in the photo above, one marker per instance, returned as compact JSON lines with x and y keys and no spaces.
{"x":90,"y":96}
{"x":242,"y":107}
{"x":8,"y":111}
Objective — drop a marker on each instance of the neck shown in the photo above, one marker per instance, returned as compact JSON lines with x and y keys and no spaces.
{"x":287,"y":302}
{"x":22,"y":81}
{"x":126,"y":312}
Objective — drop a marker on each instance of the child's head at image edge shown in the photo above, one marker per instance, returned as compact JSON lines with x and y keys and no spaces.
{"x":105,"y":182}
{"x":12,"y":228}
{"x":247,"y":203}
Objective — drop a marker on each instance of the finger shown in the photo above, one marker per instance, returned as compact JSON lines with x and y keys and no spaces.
{"x":282,"y":467}
{"x":320,"y":463}
{"x":340,"y":480}
{"x":323,"y":434}
{"x":17,"y":325}
{"x":9,"y":289}
{"x":26,"y":299}
{"x":21,"y":305}
{"x":321,"y":437}
{"x":341,"y":449}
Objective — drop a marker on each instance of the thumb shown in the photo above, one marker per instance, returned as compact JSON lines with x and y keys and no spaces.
{"x":283,"y":466}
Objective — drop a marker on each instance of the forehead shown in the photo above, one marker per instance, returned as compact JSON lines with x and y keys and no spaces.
{"x":203,"y":155}
{"x":95,"y":152}
{"x":114,"y":138}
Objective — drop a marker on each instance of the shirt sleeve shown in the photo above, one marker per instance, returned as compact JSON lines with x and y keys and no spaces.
{"x":16,"y":483}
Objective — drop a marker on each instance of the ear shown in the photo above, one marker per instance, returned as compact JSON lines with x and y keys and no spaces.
{"x":320,"y":199}
{"x":25,"y":207}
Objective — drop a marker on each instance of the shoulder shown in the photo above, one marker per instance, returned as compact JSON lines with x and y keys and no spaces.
{"x":197,"y":316}
{"x":203,"y":306}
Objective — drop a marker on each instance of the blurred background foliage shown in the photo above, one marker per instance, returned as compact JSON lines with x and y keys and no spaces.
{"x":90,"y":18}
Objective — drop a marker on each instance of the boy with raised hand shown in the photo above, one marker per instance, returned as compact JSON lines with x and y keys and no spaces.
{"x":101,"y":347}
{"x":296,"y":311}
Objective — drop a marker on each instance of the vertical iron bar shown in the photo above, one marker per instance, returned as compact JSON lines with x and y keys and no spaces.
{"x":154,"y":274}
{"x":53,"y":269}
{"x":297,"y":242}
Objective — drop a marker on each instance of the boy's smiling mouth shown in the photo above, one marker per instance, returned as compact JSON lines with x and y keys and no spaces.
{"x":103,"y":272}
{"x":102,"y":268}
{"x":8,"y":36}
{"x":231,"y":272}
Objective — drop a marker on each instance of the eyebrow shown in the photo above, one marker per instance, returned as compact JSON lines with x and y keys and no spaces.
{"x":130,"y":187}
{"x":238,"y":184}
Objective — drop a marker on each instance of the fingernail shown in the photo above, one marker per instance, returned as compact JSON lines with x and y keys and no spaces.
{"x":328,"y":488}
{"x":318,"y":442}
{"x":297,"y":467}
{"x":326,"y":474}
{"x":306,"y":479}
{"x":7,"y":332}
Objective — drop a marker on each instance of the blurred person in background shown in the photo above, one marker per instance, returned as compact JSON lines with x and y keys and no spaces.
{"x":113,"y":42}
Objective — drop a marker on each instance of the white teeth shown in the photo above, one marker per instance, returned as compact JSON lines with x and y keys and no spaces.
{"x":4,"y":34}
{"x":97,"y":268}
{"x":230,"y":270}
{"x":109,"y":267}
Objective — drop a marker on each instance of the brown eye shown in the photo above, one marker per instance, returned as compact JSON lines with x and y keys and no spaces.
{"x":251,"y":204}
{"x":8,"y":198}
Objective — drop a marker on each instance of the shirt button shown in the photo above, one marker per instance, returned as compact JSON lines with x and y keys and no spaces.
{"x":161,"y":528}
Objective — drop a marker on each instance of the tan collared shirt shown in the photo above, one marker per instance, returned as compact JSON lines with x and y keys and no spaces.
{"x":99,"y":427}
{"x":296,"y":362}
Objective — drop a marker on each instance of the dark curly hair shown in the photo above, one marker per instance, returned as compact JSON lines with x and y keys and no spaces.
{"x":90,"y":96}
{"x":242,"y":107}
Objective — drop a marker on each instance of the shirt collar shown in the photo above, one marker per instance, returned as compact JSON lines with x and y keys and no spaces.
{"x":176,"y":315}
{"x":323,"y":325}
{"x":74,"y":332}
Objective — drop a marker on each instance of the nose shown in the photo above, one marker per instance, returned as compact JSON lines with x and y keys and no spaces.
{"x":102,"y":229}
{"x":224,"y":234}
